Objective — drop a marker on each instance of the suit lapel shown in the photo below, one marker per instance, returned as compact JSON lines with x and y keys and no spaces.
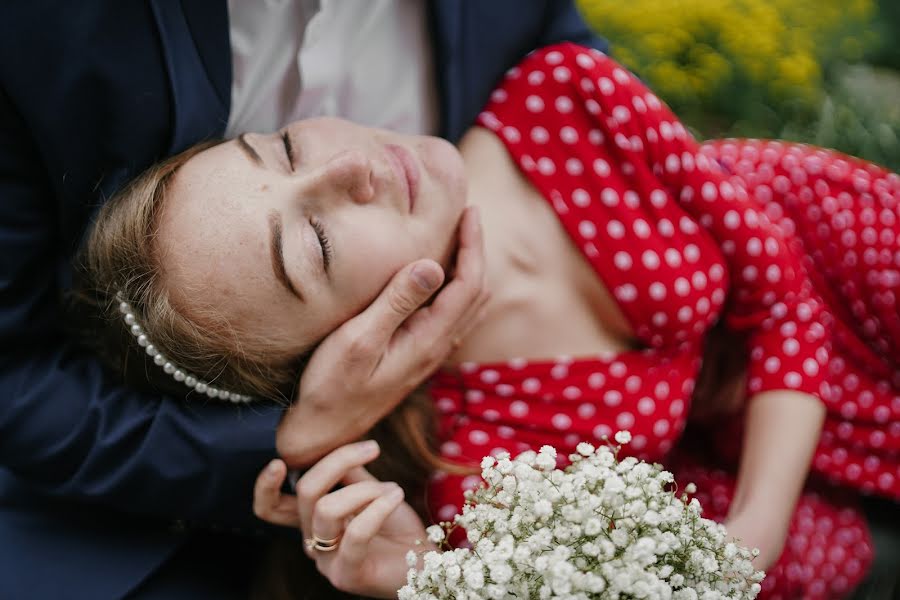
{"x":199,"y":68}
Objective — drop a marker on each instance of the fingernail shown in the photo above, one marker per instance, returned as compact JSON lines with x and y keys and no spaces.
{"x":395,"y":494}
{"x":272,"y":469}
{"x":425,"y":278}
{"x":368,"y":447}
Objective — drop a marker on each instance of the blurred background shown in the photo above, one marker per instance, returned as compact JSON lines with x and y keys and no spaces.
{"x":826,"y":72}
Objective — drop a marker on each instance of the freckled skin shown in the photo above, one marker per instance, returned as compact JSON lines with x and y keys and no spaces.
{"x":214,"y":235}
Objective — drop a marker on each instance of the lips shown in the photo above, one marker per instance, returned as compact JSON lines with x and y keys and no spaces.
{"x":407,"y":171}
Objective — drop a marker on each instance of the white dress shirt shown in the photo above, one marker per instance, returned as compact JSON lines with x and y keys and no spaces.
{"x":369,"y":61}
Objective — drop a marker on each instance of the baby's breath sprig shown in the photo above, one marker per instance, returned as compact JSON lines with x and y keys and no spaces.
{"x":600,"y":528}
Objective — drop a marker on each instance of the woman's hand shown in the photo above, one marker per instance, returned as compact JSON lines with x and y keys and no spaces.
{"x":368,"y":365}
{"x":373,"y":527}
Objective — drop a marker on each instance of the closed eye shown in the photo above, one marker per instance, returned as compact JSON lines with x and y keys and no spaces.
{"x":324,"y":244}
{"x":288,"y":149}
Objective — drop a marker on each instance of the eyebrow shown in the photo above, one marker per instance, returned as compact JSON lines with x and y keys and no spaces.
{"x":251,"y":153}
{"x":277,"y":253}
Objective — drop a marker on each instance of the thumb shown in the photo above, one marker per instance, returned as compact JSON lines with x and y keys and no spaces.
{"x":403,"y":295}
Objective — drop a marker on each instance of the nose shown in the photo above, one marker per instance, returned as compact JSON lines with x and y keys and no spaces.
{"x":350,"y":172}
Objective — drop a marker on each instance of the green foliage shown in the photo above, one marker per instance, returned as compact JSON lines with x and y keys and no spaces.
{"x":768,"y":68}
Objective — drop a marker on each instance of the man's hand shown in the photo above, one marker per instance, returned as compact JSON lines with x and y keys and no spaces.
{"x":363,"y":369}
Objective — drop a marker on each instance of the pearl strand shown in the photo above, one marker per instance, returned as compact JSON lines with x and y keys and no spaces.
{"x":168,"y":367}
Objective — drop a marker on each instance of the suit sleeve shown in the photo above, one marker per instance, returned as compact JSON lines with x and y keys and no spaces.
{"x":66,"y":427}
{"x":565,"y":24}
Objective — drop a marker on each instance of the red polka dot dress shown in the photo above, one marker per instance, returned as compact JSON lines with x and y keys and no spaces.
{"x":842,"y":216}
{"x":678,"y":241}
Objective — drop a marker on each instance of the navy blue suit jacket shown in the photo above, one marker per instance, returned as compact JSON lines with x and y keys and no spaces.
{"x":96,"y":479}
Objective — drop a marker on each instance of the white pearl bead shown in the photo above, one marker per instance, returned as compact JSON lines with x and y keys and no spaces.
{"x":159,"y":360}
{"x":124,"y":308}
{"x":142,"y":340}
{"x":129,"y":319}
{"x":190,"y":381}
{"x":178,"y":375}
{"x":151,"y":350}
{"x":212,"y":392}
{"x":136,"y":330}
{"x":169,"y":368}
{"x":200,"y":387}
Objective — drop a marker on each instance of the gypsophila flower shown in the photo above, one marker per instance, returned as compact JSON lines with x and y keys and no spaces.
{"x":601,"y":528}
{"x":623,"y":437}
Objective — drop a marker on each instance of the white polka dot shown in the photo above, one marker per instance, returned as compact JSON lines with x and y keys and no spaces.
{"x":587,"y":229}
{"x":562,"y":74}
{"x":536,"y":78}
{"x":554,"y":57}
{"x":626,"y":292}
{"x":596,"y":380}
{"x":571,"y":393}
{"x":772,"y":364}
{"x":622,"y":260}
{"x":451,"y":449}
{"x":559,"y":371}
{"x":650,"y":259}
{"x":615,"y":229}
{"x":505,"y":390}
{"x":586,"y":410}
{"x":602,"y":431}
{"x":792,"y":379}
{"x":625,"y":420}
{"x":539,"y":135}
{"x":564,"y":104}
{"x":568,"y":134}
{"x":531,"y":385}
{"x":661,"y":428}
{"x":682,"y":286}
{"x":658,"y":198}
{"x":612,"y":398}
{"x":447,"y":512}
{"x":511,"y":134}
{"x":672,"y":257}
{"x":606,"y":86}
{"x":621,"y":114}
{"x":657,"y":291}
{"x":790,"y":347}
{"x":631,"y":199}
{"x":633,"y":384}
{"x":561,"y":421}
{"x":489,"y":376}
{"x":641,"y":229}
{"x":646,"y":406}
{"x":691,"y":253}
{"x":584,"y":61}
{"x":474,"y":396}
{"x":601,"y":167}
{"x":534,"y":104}
{"x":609,"y":197}
{"x":546,"y":166}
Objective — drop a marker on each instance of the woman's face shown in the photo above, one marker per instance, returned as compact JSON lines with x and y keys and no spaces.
{"x":288,"y":235}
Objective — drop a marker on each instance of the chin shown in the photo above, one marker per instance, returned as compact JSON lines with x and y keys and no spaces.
{"x":444,"y":163}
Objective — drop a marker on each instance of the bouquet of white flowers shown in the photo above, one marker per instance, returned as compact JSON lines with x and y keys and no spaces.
{"x":601,"y":528}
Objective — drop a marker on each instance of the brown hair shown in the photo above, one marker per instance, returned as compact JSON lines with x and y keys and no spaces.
{"x":121,"y":257}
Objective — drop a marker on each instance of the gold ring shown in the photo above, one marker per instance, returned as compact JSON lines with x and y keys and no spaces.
{"x":325,"y":545}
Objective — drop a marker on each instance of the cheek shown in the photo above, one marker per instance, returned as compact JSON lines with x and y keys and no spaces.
{"x":373,"y":255}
